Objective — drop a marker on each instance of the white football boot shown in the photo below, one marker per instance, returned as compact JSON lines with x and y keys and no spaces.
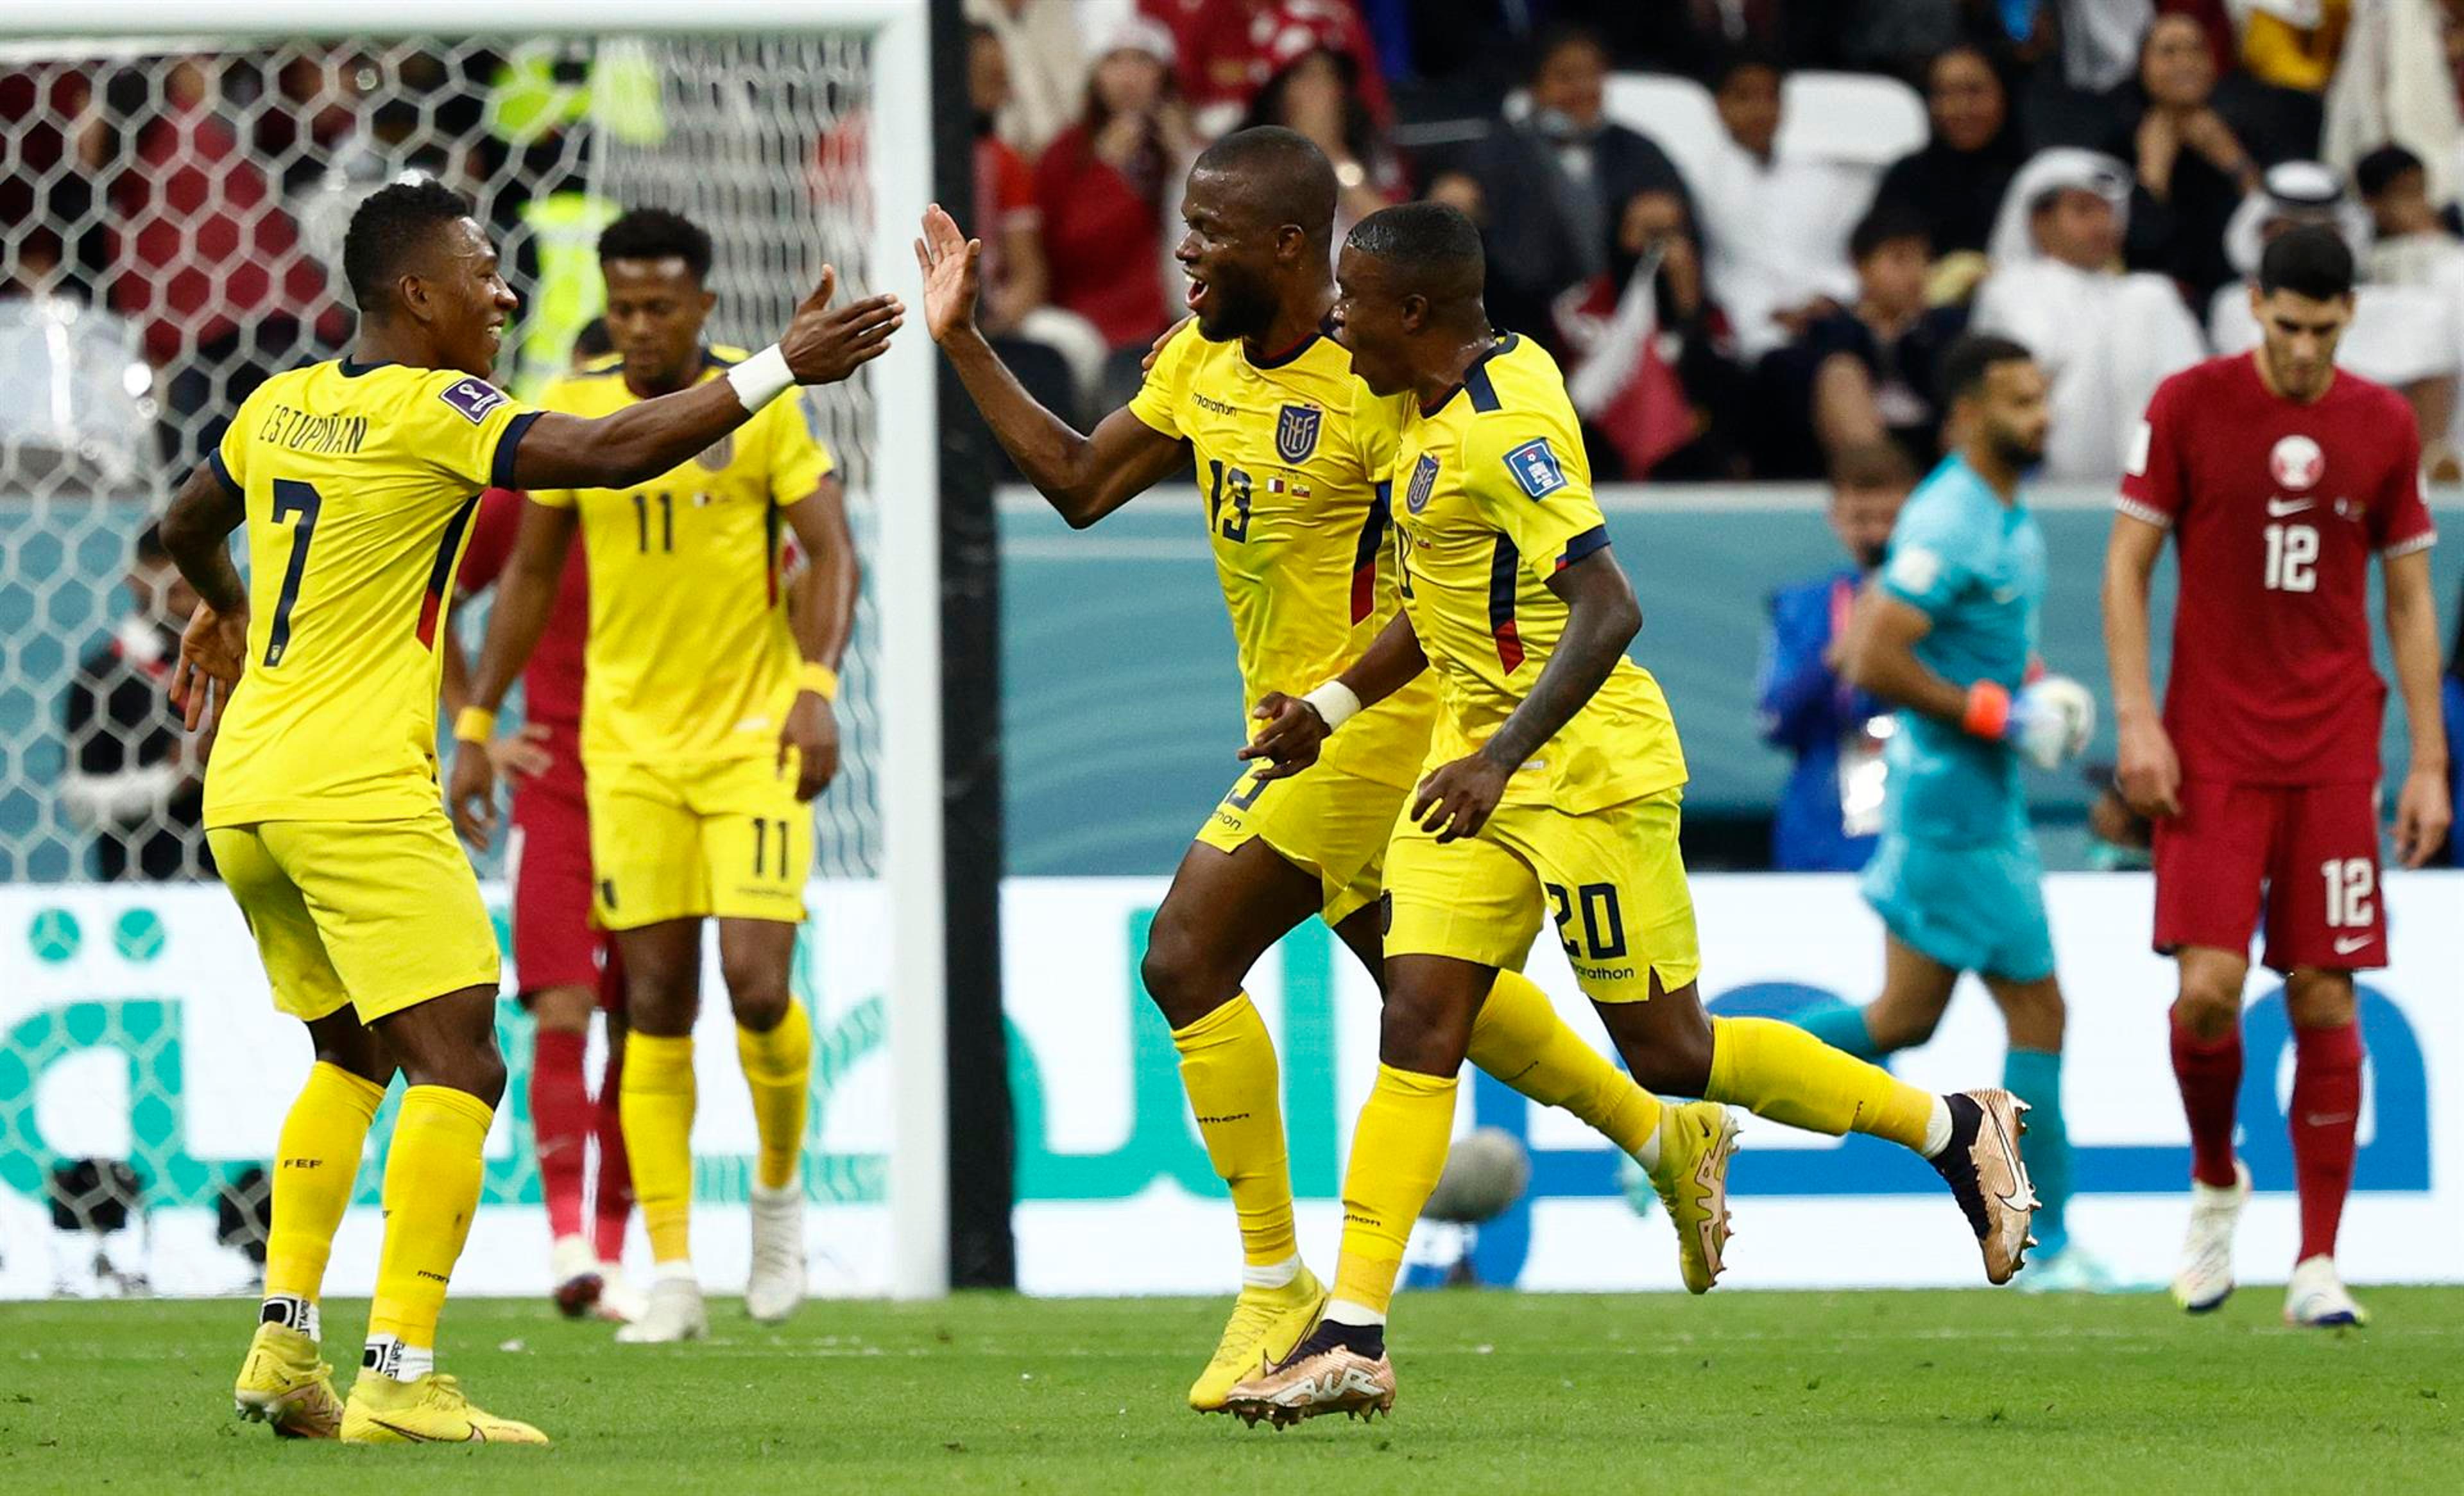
{"x":674,"y":1313}
{"x":776,"y":1282}
{"x":2316,"y":1297}
{"x":574,"y":1269}
{"x":620,"y":1302}
{"x":2205,"y":1277}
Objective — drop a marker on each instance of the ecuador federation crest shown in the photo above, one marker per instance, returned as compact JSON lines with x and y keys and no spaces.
{"x":1424,"y":482}
{"x":715,"y":456}
{"x":1296,"y":433}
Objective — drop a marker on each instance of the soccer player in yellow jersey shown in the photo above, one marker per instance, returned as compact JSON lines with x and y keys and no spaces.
{"x":1262,"y":399}
{"x":1550,"y":791}
{"x":706,"y":732}
{"x":355,"y":479}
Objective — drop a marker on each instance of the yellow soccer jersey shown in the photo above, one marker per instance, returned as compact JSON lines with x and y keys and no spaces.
{"x":1493,"y":497}
{"x":359,"y":481}
{"x":1298,"y":520}
{"x":689,"y":655}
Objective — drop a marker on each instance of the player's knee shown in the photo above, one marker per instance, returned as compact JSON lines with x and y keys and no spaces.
{"x":659,"y":1002}
{"x":1893,"y":1029}
{"x":2208,"y":1009}
{"x":2320,"y":1000}
{"x":1178,"y":979}
{"x":758,"y":994}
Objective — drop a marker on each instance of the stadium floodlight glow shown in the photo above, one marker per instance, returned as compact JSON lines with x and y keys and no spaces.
{"x":902,"y":477}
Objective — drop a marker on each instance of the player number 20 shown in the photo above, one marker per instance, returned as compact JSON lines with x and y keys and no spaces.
{"x":1603,"y":933}
{"x":2350,"y":882}
{"x":2292,"y":557}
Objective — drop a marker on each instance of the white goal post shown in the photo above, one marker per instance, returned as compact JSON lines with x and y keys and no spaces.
{"x":903,"y":476}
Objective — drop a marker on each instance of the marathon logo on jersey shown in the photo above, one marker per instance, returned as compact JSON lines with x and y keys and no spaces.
{"x":474,"y":398}
{"x":1424,"y":482}
{"x":2297,"y":464}
{"x":1296,"y":433}
{"x":715,"y":457}
{"x":1535,"y":468}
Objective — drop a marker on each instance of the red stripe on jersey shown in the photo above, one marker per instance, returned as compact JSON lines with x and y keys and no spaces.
{"x":440,"y":575}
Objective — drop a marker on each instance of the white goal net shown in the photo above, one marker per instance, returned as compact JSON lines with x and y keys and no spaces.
{"x":171,"y":217}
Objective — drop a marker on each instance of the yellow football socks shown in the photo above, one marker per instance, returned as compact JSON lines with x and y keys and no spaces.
{"x":1780,"y":1071}
{"x":1520,"y":1039}
{"x":779,"y":1068}
{"x":432,"y":1190}
{"x":1227,"y":1065}
{"x":655,"y":1103}
{"x":1398,"y":1151}
{"x":315,"y":1164}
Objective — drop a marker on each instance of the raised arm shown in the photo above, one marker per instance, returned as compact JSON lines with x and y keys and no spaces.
{"x":822,"y":615}
{"x":525,"y":598}
{"x":2421,"y":809}
{"x":2149,"y":774}
{"x":1083,"y":477}
{"x":820,"y":346}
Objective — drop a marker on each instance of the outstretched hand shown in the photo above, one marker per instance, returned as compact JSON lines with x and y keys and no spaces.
{"x":952,"y":264}
{"x":823,"y":347}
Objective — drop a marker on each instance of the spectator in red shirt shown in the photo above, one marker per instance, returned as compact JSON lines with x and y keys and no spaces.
{"x":213,"y":270}
{"x":1014,"y":277}
{"x":1315,"y":88}
{"x":1227,"y":50}
{"x":1106,"y":184}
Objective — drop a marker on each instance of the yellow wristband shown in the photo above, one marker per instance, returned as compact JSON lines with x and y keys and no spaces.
{"x":475,"y":725}
{"x":818,"y":679}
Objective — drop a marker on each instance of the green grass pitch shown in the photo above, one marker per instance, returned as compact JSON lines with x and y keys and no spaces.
{"x":1867,"y":1392}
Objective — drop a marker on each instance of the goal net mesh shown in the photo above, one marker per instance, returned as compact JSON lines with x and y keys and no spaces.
{"x":171,"y":223}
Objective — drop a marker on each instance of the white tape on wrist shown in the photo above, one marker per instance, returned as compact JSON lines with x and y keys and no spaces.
{"x":761,"y":378}
{"x":1336,"y":702}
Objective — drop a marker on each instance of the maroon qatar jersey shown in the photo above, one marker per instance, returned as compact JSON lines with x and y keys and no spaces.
{"x":2277,"y":509}
{"x":552,"y":681}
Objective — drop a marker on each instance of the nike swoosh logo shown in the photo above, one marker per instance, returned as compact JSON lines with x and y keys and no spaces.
{"x":2279,"y":508}
{"x":2347,"y":945}
{"x":474,"y":1436}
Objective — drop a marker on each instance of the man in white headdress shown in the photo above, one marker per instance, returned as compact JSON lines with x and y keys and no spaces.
{"x":2105,"y":337}
{"x":2410,"y":338}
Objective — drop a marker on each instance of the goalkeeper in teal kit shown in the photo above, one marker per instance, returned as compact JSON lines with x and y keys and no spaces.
{"x":1947,"y":633}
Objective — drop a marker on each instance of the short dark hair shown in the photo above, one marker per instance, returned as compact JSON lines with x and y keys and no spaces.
{"x":1290,"y":178}
{"x":1745,"y":58}
{"x":149,"y":550}
{"x":2377,"y":171}
{"x":1433,"y":243}
{"x":1885,"y":224}
{"x":593,"y":342}
{"x":2309,"y":260}
{"x":1970,"y":359}
{"x":387,"y":228}
{"x":655,"y":234}
{"x":1558,"y":36}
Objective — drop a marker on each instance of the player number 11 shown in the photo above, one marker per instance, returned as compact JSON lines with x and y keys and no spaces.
{"x":2292,"y":557}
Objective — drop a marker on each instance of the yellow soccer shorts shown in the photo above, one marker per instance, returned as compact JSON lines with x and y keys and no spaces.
{"x":1611,"y":880}
{"x":380,"y":915}
{"x":725,"y":838}
{"x":1322,"y":820}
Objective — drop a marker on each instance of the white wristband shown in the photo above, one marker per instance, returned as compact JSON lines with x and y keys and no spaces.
{"x":761,"y":378}
{"x":1336,"y":702}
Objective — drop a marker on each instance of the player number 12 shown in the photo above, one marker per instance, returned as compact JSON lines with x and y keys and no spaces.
{"x":2350,"y":882}
{"x":2292,"y":557}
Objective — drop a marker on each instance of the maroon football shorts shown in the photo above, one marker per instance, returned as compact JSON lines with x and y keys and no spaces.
{"x":547,"y":869}
{"x":2298,"y":863}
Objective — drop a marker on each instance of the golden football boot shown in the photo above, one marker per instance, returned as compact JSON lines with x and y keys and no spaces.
{"x":1314,"y":1384}
{"x":1265,"y":1324}
{"x":428,"y":1411}
{"x":1696,"y":1143}
{"x":284,"y":1386}
{"x":1985,"y":1172}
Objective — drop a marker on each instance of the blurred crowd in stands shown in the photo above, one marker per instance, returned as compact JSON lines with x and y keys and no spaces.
{"x":1747,"y":228}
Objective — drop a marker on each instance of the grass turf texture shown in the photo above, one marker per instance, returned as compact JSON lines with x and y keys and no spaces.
{"x":1524,"y":1392}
